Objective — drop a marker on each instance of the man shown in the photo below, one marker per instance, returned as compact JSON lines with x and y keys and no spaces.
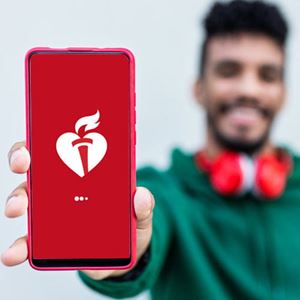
{"x":226,"y":218}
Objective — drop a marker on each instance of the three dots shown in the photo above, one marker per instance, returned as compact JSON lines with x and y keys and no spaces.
{"x":80,"y":198}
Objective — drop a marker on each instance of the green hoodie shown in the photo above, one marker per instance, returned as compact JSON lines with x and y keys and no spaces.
{"x":205,"y":246}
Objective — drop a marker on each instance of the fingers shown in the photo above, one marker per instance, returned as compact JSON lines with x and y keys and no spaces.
{"x":19,"y":161}
{"x":143,"y":205}
{"x":17,"y":202}
{"x":16,"y":254}
{"x":19,"y":158}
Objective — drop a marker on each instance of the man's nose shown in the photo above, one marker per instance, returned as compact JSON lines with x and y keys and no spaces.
{"x":250,"y":86}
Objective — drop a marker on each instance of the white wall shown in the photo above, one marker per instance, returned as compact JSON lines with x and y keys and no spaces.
{"x":164,"y":35}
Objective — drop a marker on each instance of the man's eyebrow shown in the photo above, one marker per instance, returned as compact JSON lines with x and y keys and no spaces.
{"x":226,"y":62}
{"x":219,"y":65}
{"x":270,"y":66}
{"x":232,"y":62}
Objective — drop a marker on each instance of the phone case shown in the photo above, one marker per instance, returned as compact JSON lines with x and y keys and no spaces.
{"x":132,"y":153}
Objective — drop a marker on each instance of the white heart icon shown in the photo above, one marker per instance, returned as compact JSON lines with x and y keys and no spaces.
{"x":82,"y":154}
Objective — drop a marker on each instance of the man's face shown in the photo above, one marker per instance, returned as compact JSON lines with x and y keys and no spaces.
{"x":242,"y":89}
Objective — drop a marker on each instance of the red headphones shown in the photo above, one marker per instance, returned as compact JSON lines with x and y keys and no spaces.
{"x":234,"y":173}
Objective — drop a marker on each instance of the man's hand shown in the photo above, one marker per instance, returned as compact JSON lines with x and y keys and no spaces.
{"x":17,"y":203}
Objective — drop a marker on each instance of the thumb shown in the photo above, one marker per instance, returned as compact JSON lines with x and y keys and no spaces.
{"x":143,"y":204}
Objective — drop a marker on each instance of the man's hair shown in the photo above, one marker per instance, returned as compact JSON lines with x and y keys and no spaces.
{"x":243,"y":16}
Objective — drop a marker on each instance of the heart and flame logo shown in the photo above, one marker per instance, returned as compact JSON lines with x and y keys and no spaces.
{"x":82,"y":151}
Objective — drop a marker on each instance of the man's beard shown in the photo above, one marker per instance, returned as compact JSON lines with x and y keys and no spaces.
{"x":235,"y":144}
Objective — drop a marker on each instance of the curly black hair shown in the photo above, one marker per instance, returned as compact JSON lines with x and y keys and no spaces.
{"x":243,"y":16}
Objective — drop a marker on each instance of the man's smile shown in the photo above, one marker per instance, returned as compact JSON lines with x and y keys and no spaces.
{"x":243,"y":116}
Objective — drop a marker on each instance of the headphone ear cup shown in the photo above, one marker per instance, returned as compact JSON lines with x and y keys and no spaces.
{"x":226,"y":175}
{"x":270,"y":177}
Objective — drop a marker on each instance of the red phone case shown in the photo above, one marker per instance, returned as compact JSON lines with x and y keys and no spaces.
{"x":132,"y":153}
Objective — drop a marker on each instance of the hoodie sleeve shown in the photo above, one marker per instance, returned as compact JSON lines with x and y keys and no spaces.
{"x":145,"y":273}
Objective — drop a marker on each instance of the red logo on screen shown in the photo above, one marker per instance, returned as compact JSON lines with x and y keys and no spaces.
{"x":82,"y":151}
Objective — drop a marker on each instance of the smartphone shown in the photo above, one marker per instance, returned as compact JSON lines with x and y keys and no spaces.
{"x":80,"y":132}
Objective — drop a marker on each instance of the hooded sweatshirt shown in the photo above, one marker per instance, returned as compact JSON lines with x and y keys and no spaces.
{"x":207,"y":246}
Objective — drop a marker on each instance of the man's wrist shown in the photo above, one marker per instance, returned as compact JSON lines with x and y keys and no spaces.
{"x":135,"y":271}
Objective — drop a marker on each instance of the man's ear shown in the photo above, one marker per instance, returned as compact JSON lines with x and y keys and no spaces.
{"x":198,"y":91}
{"x":283,"y":101}
{"x":284,"y":97}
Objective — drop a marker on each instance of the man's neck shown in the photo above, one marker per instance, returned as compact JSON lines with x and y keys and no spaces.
{"x":212,"y":149}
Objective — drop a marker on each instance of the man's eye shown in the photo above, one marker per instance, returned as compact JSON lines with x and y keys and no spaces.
{"x":227,"y":71}
{"x":270,"y":75}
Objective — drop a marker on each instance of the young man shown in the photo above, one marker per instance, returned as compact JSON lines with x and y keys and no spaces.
{"x":226,"y":218}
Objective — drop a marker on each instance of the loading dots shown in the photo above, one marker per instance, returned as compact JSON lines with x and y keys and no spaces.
{"x":80,"y":198}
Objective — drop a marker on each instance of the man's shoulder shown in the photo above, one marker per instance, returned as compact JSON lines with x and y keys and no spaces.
{"x":296,"y":163}
{"x":294,"y":175}
{"x":176,"y":178}
{"x":152,"y":174}
{"x":179,"y":162}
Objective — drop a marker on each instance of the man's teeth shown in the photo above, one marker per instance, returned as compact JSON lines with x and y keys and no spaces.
{"x":244,"y":115}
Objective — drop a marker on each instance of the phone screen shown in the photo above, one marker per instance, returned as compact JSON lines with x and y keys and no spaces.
{"x":79,"y":111}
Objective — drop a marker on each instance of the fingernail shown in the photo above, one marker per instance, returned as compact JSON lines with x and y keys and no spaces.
{"x":12,"y":200}
{"x":149,"y":210}
{"x":16,"y":154}
{"x":152,"y":201}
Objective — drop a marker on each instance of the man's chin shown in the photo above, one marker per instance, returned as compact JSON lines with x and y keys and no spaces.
{"x":240,"y":144}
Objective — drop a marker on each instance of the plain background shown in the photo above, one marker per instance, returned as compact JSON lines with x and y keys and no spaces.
{"x":165,"y":37}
